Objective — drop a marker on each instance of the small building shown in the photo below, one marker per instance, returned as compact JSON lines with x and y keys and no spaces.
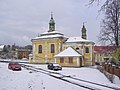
{"x":22,"y":54}
{"x":69,"y":57}
{"x":103,"y":53}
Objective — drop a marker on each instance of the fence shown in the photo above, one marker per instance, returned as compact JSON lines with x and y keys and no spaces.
{"x":112,"y":69}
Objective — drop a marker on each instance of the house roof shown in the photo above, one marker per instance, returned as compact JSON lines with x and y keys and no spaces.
{"x":104,"y":49}
{"x":69,"y":52}
{"x":77,"y":39}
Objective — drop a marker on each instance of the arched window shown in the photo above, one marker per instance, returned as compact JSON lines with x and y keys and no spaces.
{"x":40,"y":49}
{"x":52,"y":48}
{"x":87,"y":50}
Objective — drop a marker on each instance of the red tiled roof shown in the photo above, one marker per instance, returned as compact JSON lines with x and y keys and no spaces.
{"x":104,"y":49}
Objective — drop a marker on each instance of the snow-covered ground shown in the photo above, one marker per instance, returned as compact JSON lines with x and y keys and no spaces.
{"x":31,"y":80}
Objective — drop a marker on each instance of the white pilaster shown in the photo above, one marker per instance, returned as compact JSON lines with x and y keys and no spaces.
{"x":33,"y":52}
{"x":46,"y":52}
{"x":78,"y":61}
{"x":55,"y":60}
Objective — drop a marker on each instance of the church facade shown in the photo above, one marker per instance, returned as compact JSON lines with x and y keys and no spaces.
{"x":47,"y":44}
{"x":50,"y":43}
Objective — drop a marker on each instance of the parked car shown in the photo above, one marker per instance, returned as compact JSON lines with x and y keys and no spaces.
{"x":14,"y":66}
{"x":54,"y":66}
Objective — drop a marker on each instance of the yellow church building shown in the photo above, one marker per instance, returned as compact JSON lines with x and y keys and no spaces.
{"x":49,"y":45}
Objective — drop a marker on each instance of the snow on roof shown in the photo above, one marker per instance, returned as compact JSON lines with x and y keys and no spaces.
{"x":77,"y":39}
{"x":1,"y":47}
{"x":104,"y":49}
{"x":69,"y":52}
{"x":49,"y":36}
{"x":51,"y":32}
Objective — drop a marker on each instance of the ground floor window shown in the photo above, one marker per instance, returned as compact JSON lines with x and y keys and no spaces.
{"x":61,"y":60}
{"x":40,"y":49}
{"x":52,"y":48}
{"x":70,"y":60}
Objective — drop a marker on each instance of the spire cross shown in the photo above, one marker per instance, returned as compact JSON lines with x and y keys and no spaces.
{"x":51,"y":15}
{"x":84,"y":23}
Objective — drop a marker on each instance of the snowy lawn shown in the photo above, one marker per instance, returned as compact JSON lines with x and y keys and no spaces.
{"x":30,"y":80}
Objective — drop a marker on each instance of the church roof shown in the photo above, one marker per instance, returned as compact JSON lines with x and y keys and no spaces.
{"x":77,"y":39}
{"x":69,"y":52}
{"x":53,"y":32}
{"x":47,"y":35}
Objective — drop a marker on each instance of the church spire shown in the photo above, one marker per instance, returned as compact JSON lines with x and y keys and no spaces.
{"x":84,"y":36}
{"x":51,"y":15}
{"x":51,"y":24}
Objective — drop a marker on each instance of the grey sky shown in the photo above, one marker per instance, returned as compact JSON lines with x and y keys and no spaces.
{"x":22,"y":20}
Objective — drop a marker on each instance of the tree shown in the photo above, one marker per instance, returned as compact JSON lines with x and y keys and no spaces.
{"x":6,"y":48}
{"x":98,"y":1}
{"x":28,"y":47}
{"x":110,"y":32}
{"x":116,"y":56}
{"x":13,"y":47}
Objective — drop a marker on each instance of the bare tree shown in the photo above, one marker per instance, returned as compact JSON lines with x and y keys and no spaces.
{"x":98,"y":1}
{"x":110,"y":32}
{"x":92,"y":1}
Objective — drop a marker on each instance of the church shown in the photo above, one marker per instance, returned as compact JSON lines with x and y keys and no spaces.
{"x":53,"y":46}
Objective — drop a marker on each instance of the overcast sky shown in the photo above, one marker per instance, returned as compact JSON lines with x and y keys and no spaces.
{"x":22,"y":20}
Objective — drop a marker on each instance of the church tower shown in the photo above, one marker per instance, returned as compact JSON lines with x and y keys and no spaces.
{"x":84,"y":36}
{"x":51,"y":24}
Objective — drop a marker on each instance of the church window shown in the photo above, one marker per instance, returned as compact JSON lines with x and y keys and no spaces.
{"x":87,"y":50}
{"x":52,"y":48}
{"x":70,"y":60}
{"x":61,"y":60}
{"x":40,"y":49}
